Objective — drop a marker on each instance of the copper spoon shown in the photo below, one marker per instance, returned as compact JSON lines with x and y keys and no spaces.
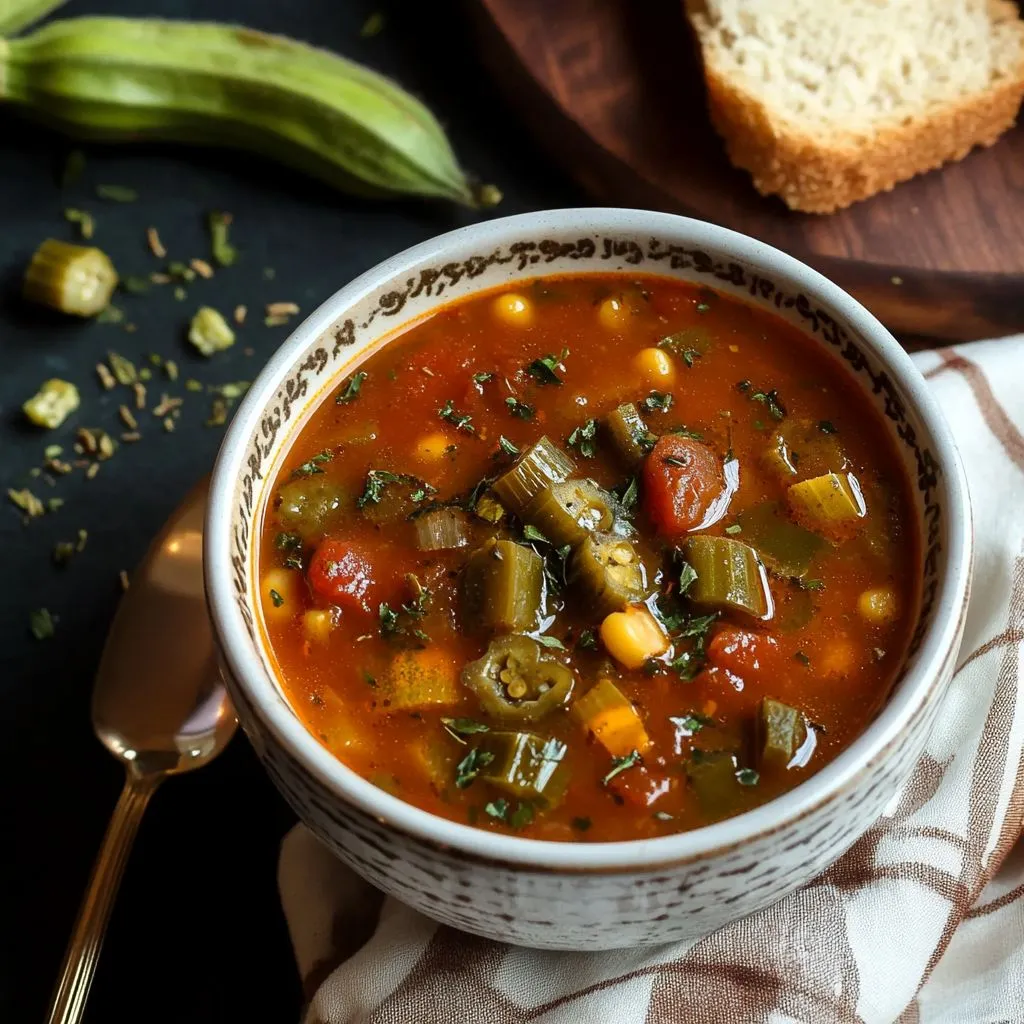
{"x":158,"y":705}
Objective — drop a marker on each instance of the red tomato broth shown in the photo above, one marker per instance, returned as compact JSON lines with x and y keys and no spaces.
{"x":837,"y":669}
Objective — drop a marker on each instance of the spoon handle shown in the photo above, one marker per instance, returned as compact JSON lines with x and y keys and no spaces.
{"x":83,"y":950}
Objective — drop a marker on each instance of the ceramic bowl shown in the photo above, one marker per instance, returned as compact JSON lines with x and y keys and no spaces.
{"x":583,"y":896}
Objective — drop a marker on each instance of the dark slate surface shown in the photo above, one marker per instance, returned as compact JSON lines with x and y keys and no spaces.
{"x":197,"y":934}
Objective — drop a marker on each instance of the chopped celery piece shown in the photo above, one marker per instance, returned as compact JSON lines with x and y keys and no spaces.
{"x":613,"y":720}
{"x":567,"y":511}
{"x":489,"y":509}
{"x":516,"y":679}
{"x":209,"y":331}
{"x":610,"y":571}
{"x":712,"y":776}
{"x":310,"y":506}
{"x":802,"y":449}
{"x":527,"y":766}
{"x":781,"y":732}
{"x":443,"y":529}
{"x":784,"y":547}
{"x":728,"y":576}
{"x":827,"y":502}
{"x":420,"y":678}
{"x":55,"y":400}
{"x":541,"y":464}
{"x":74,"y":279}
{"x":629,"y":434}
{"x":503,"y":586}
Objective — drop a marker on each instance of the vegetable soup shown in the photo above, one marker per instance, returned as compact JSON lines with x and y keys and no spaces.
{"x":602,"y":558}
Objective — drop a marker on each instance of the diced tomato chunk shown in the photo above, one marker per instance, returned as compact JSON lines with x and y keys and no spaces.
{"x":640,"y":787}
{"x":742,"y":651}
{"x":342,"y":574}
{"x":682,"y":477}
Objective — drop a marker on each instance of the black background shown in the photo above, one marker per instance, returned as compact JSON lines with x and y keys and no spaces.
{"x":197,"y":934}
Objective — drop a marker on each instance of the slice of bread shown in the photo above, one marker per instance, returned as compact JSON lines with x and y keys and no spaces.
{"x":829,"y":101}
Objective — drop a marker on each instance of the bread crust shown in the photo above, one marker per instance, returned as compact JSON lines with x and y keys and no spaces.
{"x":822,"y":174}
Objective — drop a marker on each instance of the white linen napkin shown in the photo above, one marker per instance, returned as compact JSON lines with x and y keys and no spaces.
{"x":921,"y":921}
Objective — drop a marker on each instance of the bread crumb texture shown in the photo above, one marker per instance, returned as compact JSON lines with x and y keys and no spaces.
{"x":826,"y":102}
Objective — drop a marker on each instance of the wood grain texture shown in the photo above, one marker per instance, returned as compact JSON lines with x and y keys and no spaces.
{"x":614,"y":89}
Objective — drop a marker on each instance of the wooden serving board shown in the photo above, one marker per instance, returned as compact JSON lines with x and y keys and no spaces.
{"x":614,"y":90}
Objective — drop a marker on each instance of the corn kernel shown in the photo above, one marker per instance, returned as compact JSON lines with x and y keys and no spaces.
{"x":613,"y":314}
{"x":432,"y":448}
{"x":632,"y":636}
{"x":655,"y":367}
{"x":877,"y":605}
{"x":279,"y":591}
{"x":514,"y":309}
{"x":317,"y":624}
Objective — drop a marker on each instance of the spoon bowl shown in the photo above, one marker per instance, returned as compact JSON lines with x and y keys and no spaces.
{"x":159,"y":706}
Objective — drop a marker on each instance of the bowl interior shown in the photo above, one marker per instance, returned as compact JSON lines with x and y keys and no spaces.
{"x":364,"y":315}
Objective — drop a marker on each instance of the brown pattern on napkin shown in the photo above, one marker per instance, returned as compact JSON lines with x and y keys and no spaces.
{"x":997,"y":418}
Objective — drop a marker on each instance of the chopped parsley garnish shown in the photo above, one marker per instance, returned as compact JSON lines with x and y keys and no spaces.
{"x":471,"y":766}
{"x":400,"y":623}
{"x":657,"y":401}
{"x":276,"y":598}
{"x":681,"y":344}
{"x":691,"y":723}
{"x":502,"y":810}
{"x":506,"y":447}
{"x":378,"y":479}
{"x":388,"y":620}
{"x":312,"y":467}
{"x":747,"y":777}
{"x":551,"y":641}
{"x":629,"y":495}
{"x":458,"y":728}
{"x":806,"y":584}
{"x":621,"y":764}
{"x":826,"y":427}
{"x":582,"y":439}
{"x":532,"y":533}
{"x":802,"y":658}
{"x":482,"y":378}
{"x":587,"y":641}
{"x":687,"y":576}
{"x":734,"y":529}
{"x":520,"y":409}
{"x":42,"y":624}
{"x":581,"y":824}
{"x":350,"y":392}
{"x":543,"y":369}
{"x":461,"y":420}
{"x":556,"y":567}
{"x":769,"y":398}
{"x":497,"y":809}
{"x":370,"y":679}
{"x":703,"y":307}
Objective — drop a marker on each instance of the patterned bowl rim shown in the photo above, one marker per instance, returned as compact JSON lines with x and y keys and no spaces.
{"x":911,"y":696}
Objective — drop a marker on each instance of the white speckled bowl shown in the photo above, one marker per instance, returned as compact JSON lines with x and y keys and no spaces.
{"x":602,"y":895}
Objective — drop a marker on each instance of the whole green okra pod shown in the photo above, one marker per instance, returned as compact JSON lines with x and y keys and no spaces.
{"x":122,"y":79}
{"x":18,"y":14}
